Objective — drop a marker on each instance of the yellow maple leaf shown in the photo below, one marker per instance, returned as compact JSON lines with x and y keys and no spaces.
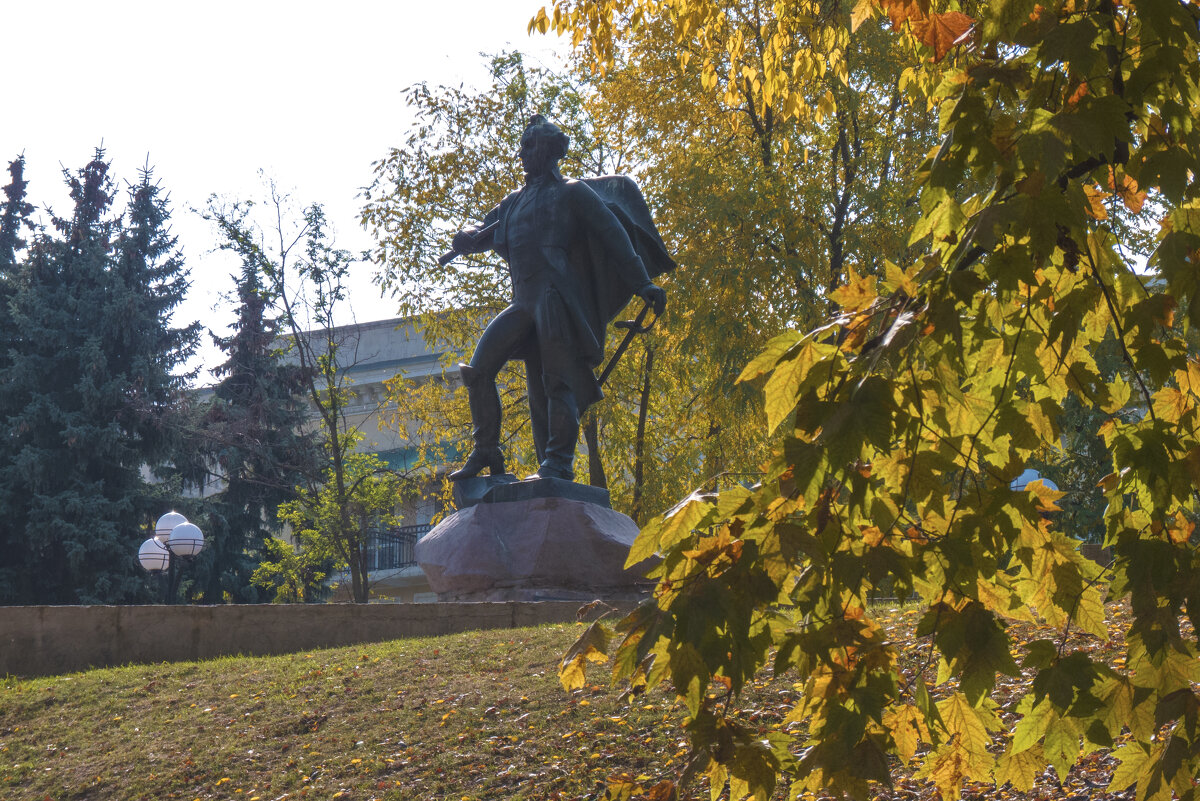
{"x":872,"y":536}
{"x":857,"y":293}
{"x":1095,"y":199}
{"x":863,"y":11}
{"x":907,"y":726}
{"x":1021,"y":769}
{"x":1126,"y":188}
{"x":1181,"y":529}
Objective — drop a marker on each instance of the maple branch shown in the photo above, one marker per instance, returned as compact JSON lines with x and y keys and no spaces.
{"x":1128,"y":357}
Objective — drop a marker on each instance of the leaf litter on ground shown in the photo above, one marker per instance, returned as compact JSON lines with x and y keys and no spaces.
{"x":471,"y":716}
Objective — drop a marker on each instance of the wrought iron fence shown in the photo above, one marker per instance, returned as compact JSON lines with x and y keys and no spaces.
{"x":393,"y":547}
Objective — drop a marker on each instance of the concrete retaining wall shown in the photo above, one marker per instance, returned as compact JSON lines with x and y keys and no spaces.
{"x":47,"y":640}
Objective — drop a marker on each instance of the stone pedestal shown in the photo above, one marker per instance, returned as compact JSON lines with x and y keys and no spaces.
{"x":532,"y":549}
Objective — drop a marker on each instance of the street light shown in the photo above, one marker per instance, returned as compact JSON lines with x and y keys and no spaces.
{"x":173,"y":537}
{"x":153,"y":555}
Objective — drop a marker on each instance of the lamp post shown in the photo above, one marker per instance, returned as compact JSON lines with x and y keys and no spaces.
{"x":173,"y":537}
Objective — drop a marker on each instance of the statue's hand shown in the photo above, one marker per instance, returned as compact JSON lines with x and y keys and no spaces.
{"x":656,"y":296}
{"x":463,"y":241}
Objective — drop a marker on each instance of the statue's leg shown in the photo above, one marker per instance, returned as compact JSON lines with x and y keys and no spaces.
{"x":559,"y":359}
{"x":537,"y":403}
{"x":562,"y":415}
{"x":502,"y":336}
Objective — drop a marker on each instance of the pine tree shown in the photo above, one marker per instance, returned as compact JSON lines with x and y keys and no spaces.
{"x":251,"y":444}
{"x":89,"y":393}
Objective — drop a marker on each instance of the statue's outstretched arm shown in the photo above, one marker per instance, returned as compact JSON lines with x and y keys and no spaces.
{"x":474,"y":239}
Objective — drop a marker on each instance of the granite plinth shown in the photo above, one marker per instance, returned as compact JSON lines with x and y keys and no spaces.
{"x":505,"y":488}
{"x":538,"y":487}
{"x":543,"y":548}
{"x":470,"y":491}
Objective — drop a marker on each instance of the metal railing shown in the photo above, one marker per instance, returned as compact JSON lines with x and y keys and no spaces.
{"x":393,"y":547}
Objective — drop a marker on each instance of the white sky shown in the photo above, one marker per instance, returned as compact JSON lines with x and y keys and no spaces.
{"x":211,"y":92}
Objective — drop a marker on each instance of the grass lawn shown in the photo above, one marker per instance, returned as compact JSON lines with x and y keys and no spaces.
{"x":469,"y":716}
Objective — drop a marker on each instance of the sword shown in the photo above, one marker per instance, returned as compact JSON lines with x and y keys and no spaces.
{"x":634,"y":327}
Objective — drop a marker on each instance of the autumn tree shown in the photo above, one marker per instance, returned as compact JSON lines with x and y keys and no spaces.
{"x":904,"y":418}
{"x":722,"y":179}
{"x":765,"y":213}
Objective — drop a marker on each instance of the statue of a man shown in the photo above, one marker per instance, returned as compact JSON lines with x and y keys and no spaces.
{"x":575,"y":254}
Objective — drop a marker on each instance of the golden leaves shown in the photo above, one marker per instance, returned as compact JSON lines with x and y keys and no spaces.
{"x":1126,"y":188}
{"x":872,"y":536}
{"x":675,"y":526}
{"x":857,"y":293}
{"x":1180,"y":530}
{"x":591,"y":647}
{"x":1095,"y":202}
{"x":906,"y":724}
{"x":901,"y":11}
{"x":1014,"y":329}
{"x":784,"y":382}
{"x":1020,"y":769}
{"x":540,"y":22}
{"x":964,"y":754}
{"x":718,"y":551}
{"x":863,"y":11}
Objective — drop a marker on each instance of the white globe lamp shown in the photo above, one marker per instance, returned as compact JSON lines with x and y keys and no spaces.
{"x":166,"y":524}
{"x":153,"y":556}
{"x":186,"y":540}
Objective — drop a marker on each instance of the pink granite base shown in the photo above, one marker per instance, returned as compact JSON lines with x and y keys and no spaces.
{"x":539,"y":549}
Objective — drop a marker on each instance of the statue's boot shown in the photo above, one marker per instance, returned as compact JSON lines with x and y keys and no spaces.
{"x":484,"y":401}
{"x":563,"y":426}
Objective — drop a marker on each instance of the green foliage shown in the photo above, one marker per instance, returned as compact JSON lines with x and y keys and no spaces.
{"x":905,"y":418}
{"x":296,"y":573}
{"x":332,"y":523}
{"x":89,"y":392}
{"x":15,"y":216}
{"x":251,"y":446}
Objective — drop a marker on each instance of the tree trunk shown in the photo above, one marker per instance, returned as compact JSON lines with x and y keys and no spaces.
{"x":591,"y":436}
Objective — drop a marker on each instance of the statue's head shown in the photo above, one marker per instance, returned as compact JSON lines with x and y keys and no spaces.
{"x":542,"y":145}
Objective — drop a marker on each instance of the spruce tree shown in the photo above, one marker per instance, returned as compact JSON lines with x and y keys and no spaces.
{"x":89,"y":393}
{"x":150,"y":271}
{"x":252,"y":445}
{"x":14,"y":219}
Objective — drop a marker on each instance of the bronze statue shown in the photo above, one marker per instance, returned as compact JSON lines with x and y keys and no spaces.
{"x":577,"y":252}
